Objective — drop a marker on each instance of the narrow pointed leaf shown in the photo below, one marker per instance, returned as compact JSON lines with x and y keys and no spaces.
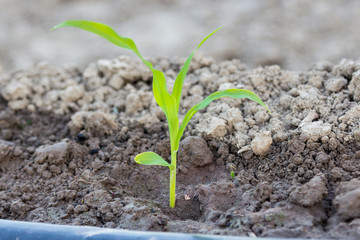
{"x":151,"y":158}
{"x":176,"y":92}
{"x":233,"y":93}
{"x":106,"y":32}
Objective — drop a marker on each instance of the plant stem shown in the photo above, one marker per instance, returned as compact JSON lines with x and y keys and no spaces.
{"x":173,"y":179}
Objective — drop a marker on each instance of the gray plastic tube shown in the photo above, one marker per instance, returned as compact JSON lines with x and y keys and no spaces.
{"x":17,"y":230}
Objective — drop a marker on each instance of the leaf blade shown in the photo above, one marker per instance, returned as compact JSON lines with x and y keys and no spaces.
{"x":106,"y":32}
{"x":177,"y":88}
{"x":151,"y":158}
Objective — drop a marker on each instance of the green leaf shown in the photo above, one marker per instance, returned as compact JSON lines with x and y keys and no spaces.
{"x":233,"y":93}
{"x":151,"y":158}
{"x":106,"y":32}
{"x":232,"y":174}
{"x":177,"y":89}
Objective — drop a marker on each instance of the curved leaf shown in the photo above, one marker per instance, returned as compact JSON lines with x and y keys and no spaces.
{"x":106,"y":32}
{"x":233,"y":93}
{"x":151,"y":158}
{"x":176,"y":92}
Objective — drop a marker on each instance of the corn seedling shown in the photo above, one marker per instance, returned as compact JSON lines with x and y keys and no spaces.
{"x":168,"y":102}
{"x":232,"y":168}
{"x":232,"y":174}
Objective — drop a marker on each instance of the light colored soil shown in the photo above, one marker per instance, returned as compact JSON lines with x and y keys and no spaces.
{"x":292,"y":34}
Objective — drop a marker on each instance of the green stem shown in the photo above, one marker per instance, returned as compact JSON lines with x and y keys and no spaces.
{"x":173,"y":179}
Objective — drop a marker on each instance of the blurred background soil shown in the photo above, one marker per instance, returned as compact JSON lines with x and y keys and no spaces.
{"x":292,"y":34}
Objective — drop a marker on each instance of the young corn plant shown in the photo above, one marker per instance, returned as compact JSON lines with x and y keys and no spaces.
{"x":168,"y":102}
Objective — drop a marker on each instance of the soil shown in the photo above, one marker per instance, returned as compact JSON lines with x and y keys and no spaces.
{"x":68,"y":138}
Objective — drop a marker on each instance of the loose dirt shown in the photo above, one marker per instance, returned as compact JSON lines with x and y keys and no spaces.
{"x":68,"y":139}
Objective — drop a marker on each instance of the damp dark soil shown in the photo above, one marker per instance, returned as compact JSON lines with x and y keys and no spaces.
{"x":68,"y":139}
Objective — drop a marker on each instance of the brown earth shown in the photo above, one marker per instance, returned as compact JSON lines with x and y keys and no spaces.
{"x":68,"y":139}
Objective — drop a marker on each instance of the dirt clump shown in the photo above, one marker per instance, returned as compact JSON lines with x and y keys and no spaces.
{"x":310,"y":193}
{"x":194,"y":152}
{"x":68,"y":139}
